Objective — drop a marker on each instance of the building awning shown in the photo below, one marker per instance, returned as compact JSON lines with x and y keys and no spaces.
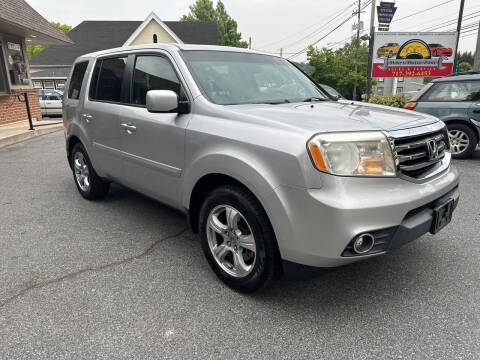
{"x":20,"y":19}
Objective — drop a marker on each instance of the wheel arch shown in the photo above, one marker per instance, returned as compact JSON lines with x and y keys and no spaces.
{"x":216,"y":170}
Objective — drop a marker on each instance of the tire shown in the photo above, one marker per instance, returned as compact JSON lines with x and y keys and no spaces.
{"x":459,"y":135}
{"x":92,"y":186}
{"x":263,"y":263}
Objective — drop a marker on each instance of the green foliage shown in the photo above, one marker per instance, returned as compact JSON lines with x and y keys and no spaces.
{"x":390,"y":100}
{"x":203,"y":10}
{"x":33,"y":50}
{"x":466,"y":56}
{"x":336,"y":67}
{"x":464,"y":66}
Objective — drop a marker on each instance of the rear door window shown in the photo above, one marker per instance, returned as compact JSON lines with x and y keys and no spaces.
{"x":77,"y":79}
{"x":110,"y":79}
{"x":454,"y":91}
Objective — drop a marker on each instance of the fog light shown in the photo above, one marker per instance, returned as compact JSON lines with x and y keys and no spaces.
{"x":363,"y":243}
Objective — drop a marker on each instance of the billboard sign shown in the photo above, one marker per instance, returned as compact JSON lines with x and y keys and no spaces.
{"x":413,"y":54}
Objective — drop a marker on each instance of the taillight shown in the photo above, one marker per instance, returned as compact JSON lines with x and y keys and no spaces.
{"x":410,"y":105}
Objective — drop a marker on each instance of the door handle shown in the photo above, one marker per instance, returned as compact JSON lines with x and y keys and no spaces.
{"x":129,"y":128}
{"x":87,"y":117}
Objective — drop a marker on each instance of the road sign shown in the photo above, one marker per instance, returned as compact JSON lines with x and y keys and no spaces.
{"x":385,"y":12}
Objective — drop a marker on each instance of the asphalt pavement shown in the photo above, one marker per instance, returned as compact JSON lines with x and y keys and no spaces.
{"x":125,"y":278}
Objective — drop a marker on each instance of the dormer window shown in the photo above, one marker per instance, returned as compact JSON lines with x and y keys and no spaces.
{"x":155,"y":39}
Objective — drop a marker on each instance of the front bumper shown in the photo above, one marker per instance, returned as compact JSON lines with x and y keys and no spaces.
{"x":315,"y":226}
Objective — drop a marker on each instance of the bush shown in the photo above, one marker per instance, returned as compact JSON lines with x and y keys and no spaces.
{"x":390,"y":100}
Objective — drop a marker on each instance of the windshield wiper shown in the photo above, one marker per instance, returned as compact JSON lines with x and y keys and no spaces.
{"x":275,"y":102}
{"x":314,"y":98}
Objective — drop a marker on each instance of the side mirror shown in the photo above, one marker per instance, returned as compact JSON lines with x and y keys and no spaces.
{"x":162,"y":101}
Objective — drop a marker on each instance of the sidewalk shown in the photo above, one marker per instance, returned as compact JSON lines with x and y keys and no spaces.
{"x":18,"y":131}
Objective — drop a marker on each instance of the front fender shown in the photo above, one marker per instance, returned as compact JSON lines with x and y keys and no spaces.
{"x":258,"y":178}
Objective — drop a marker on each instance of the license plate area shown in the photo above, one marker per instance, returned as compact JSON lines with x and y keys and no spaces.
{"x":442,"y":215}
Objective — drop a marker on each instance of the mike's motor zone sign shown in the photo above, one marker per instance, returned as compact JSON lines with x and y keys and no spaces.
{"x":413,"y":54}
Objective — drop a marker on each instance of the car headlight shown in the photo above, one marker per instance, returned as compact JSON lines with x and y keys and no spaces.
{"x":352,"y":153}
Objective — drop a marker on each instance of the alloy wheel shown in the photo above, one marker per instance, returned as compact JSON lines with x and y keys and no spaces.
{"x":459,"y":141}
{"x":231,"y":241}
{"x":82,"y":174}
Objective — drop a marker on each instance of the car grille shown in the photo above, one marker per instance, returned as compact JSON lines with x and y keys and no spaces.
{"x":417,"y":155}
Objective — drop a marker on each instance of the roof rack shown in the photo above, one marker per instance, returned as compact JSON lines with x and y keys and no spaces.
{"x":471,"y":72}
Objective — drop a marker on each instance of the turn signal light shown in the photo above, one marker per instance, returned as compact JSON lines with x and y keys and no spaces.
{"x":317,"y":156}
{"x":410,"y":105}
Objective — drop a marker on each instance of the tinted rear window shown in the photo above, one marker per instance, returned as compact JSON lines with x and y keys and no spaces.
{"x":77,"y":79}
{"x":110,"y":79}
{"x":421,"y":92}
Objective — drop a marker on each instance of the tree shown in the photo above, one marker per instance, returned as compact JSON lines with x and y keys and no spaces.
{"x":466,"y":56}
{"x":33,"y":50}
{"x":337,"y":68}
{"x":203,"y":10}
{"x":464,"y":66}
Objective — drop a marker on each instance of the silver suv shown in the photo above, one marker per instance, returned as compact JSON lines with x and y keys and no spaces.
{"x":274,"y":177}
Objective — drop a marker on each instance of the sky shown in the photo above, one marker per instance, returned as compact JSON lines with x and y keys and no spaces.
{"x":273,"y":24}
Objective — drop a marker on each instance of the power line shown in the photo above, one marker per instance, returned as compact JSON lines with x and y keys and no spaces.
{"x":452,"y":21}
{"x":331,"y":31}
{"x":316,"y":31}
{"x":422,"y":11}
{"x":337,"y":13}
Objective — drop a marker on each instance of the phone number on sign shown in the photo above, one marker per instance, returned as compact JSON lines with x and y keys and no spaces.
{"x":407,"y":73}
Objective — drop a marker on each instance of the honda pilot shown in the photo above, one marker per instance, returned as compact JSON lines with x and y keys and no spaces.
{"x":275,"y":177}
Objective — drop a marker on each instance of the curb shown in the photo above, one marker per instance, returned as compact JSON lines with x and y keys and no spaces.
{"x":10,"y":140}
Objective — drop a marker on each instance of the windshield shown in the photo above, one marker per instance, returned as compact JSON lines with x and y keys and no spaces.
{"x":230,"y":78}
{"x":331,"y":91}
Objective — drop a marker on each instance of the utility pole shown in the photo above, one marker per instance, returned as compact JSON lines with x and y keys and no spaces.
{"x":356,"y":50}
{"x":459,"y":25}
{"x":370,"y":50}
{"x":476,"y":61}
{"x":249,"y":42}
{"x":281,"y":52}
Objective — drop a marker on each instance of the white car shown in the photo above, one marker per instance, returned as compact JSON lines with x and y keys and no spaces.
{"x":50,"y":102}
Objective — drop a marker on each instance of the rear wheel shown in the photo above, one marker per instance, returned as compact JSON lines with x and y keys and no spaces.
{"x":237,"y":239}
{"x":89,"y":184}
{"x":463,"y":140}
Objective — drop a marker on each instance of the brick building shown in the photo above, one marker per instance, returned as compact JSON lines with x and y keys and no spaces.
{"x":20,"y":24}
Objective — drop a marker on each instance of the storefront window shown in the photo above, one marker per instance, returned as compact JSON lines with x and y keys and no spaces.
{"x":37,"y":84}
{"x":17,"y":69}
{"x":3,"y":78}
{"x":48,"y":84}
{"x":60,"y":84}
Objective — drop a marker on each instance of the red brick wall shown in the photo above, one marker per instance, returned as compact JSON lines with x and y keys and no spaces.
{"x":12,"y":110}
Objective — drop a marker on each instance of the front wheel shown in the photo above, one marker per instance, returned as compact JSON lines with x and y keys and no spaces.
{"x":237,"y":239}
{"x":463,"y":140}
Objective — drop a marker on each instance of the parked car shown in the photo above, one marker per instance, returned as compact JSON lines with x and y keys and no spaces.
{"x":50,"y":102}
{"x":440,"y":50}
{"x":388,"y":49}
{"x":275,"y":178}
{"x":455,"y":99}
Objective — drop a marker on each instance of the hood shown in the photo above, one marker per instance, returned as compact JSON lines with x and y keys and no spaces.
{"x":328,"y":116}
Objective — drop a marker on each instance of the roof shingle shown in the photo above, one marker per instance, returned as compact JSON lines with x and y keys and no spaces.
{"x":18,"y":12}
{"x":91,"y":36}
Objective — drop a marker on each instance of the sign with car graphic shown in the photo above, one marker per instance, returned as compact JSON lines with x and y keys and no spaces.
{"x":412,"y":54}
